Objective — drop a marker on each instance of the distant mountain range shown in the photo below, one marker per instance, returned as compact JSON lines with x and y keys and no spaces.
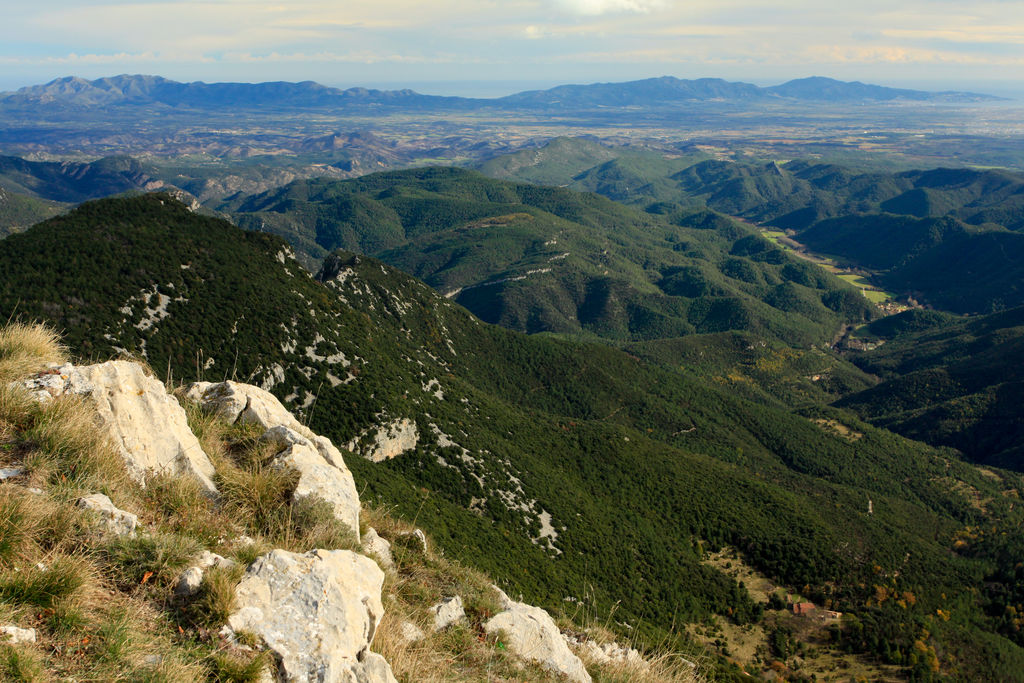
{"x":139,"y":90}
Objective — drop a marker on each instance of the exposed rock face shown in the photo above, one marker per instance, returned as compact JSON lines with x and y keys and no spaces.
{"x":388,"y":441}
{"x":532,"y":634}
{"x":147,"y":425}
{"x":447,"y":612}
{"x":317,"y":612}
{"x":116,"y":521}
{"x":237,"y":402}
{"x":375,"y":545}
{"x":322,"y":470}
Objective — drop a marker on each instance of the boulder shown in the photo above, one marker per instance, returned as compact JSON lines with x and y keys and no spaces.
{"x":378,"y":547}
{"x":447,"y":612}
{"x":245,"y":403}
{"x":532,"y":634}
{"x":57,"y":381}
{"x":15,"y":635}
{"x":237,"y":402}
{"x":147,"y":425}
{"x":317,"y":612}
{"x":317,"y":477}
{"x":116,"y":521}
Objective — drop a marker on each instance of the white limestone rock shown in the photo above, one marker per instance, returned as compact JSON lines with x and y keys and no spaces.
{"x":411,"y":633}
{"x":11,"y":472}
{"x":14,"y":635}
{"x":55,"y":382}
{"x":116,"y":521}
{"x":610,"y":653}
{"x":148,"y":425}
{"x":317,"y":476}
{"x":447,"y":612}
{"x":206,"y":559}
{"x":250,"y":404}
{"x":189,"y":582}
{"x":387,"y":441}
{"x":246,"y":403}
{"x":532,"y":634}
{"x":317,"y":613}
{"x":378,"y":547}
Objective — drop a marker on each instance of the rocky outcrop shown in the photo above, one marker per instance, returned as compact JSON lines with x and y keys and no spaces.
{"x":533,"y":635}
{"x":609,"y":653}
{"x":386,"y":441}
{"x":317,"y":613}
{"x":146,"y":424}
{"x":115,"y":521}
{"x":321,"y":468}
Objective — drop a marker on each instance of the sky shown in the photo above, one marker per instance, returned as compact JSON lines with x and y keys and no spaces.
{"x":493,"y":47}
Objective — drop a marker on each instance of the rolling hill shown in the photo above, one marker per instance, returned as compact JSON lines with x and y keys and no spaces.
{"x":948,"y":237}
{"x":539,"y":259}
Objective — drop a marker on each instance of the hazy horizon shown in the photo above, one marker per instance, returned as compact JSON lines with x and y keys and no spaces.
{"x":499,"y":88}
{"x":467,"y":45}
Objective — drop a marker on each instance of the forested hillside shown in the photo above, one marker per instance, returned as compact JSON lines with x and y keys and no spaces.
{"x":564,"y":468}
{"x":950,"y":237}
{"x":948,"y":381}
{"x":538,"y":259}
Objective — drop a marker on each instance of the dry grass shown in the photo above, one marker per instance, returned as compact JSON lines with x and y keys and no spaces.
{"x":69,"y":453}
{"x":26,"y":349}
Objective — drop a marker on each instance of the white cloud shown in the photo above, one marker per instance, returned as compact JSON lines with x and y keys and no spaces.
{"x":593,"y":8}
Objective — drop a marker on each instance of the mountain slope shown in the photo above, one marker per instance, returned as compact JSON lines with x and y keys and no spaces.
{"x":545,"y":259}
{"x":19,"y":211}
{"x":957,"y":383}
{"x":559,"y":467}
{"x":74,"y":182}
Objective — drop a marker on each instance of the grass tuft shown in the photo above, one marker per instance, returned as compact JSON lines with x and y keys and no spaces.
{"x":42,"y":587}
{"x":215,"y":601}
{"x":26,"y":349}
{"x":161,"y":556}
{"x":72,"y":453}
{"x":20,"y":664}
{"x":239,"y":667}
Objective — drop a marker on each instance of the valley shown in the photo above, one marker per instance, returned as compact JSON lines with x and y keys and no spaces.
{"x":686,"y":365}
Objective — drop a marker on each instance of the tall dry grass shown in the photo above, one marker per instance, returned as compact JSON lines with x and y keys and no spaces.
{"x":26,"y":348}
